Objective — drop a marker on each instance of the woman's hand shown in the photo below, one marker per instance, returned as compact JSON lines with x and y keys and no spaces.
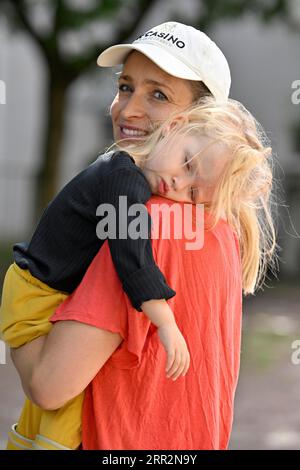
{"x":178,"y":357}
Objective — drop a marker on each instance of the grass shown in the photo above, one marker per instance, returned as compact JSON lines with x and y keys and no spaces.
{"x":260,"y":350}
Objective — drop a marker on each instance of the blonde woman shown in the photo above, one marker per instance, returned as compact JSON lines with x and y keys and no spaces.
{"x":164,"y":71}
{"x":214,"y":154}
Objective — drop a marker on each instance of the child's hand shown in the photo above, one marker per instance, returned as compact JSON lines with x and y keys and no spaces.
{"x":178,"y":357}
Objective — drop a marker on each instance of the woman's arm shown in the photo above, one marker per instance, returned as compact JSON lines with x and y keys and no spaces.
{"x":59,"y":367}
{"x":25,"y":358}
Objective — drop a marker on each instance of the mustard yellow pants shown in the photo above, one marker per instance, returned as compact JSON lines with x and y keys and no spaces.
{"x":27,"y":304}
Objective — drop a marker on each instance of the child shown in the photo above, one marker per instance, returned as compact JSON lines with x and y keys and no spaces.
{"x":203,"y":154}
{"x":63,"y":245}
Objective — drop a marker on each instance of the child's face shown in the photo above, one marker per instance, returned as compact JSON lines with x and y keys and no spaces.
{"x":171,"y":174}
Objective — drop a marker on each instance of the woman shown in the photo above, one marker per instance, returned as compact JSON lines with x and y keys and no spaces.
{"x":148,"y":94}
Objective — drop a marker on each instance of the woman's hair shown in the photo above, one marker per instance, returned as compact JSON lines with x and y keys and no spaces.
{"x":244,"y":190}
{"x":199,"y":90}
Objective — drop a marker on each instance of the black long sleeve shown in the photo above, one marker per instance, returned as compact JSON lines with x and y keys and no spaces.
{"x":133,"y":258}
{"x":65,"y":240}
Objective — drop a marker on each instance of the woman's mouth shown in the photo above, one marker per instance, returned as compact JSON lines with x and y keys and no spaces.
{"x":131,"y":133}
{"x":163,"y":188}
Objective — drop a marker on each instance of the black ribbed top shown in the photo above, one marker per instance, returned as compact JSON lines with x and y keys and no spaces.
{"x":65,"y":240}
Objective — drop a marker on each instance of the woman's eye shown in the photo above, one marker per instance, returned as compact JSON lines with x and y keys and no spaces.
{"x":124,"y":87}
{"x":159,"y":95}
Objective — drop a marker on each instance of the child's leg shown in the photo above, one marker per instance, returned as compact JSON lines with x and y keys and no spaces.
{"x":18,"y":442}
{"x":61,"y":429}
{"x":22,"y":434}
{"x":39,"y":429}
{"x":26,"y":307}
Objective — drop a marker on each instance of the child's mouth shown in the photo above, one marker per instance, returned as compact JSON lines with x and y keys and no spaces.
{"x":163,"y":188}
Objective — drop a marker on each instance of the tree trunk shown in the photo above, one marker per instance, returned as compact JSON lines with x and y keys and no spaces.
{"x":47,"y":176}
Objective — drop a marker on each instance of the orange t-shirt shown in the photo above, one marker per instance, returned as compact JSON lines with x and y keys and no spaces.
{"x":131,"y":404}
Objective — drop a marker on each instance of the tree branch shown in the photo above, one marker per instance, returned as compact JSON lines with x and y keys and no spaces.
{"x":27,"y":26}
{"x":144,"y":7}
{"x":90,"y":56}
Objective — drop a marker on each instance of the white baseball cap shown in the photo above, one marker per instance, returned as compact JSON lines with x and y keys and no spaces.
{"x":181,"y":51}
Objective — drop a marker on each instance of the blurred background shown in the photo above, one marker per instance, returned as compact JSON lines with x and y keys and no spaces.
{"x":54,"y":104}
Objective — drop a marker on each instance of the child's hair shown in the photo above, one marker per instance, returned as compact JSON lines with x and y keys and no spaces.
{"x":244,"y":191}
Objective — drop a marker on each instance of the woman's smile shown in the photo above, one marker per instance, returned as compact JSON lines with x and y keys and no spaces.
{"x":146,"y":97}
{"x":131,"y":132}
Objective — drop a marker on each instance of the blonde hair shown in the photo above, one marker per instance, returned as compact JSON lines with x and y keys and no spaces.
{"x":244,"y":191}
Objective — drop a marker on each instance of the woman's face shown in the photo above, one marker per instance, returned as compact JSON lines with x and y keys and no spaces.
{"x":147,"y":96}
{"x":185,"y":168}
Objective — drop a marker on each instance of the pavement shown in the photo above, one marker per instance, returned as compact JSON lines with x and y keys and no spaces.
{"x":267,"y":402}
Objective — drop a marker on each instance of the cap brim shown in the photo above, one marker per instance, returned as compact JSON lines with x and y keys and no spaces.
{"x":116,"y":55}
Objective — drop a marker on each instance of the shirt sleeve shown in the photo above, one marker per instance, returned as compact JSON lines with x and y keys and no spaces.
{"x":100,"y":301}
{"x":64,"y":242}
{"x":141,"y":278}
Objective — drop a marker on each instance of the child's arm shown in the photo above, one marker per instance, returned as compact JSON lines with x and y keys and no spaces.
{"x":133,"y":258}
{"x":178,"y":358}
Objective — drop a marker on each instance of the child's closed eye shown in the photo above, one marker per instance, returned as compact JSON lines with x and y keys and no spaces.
{"x":187,"y":163}
{"x":194,"y":193}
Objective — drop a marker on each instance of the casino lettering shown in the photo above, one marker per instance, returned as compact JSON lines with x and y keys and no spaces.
{"x":167,"y":36}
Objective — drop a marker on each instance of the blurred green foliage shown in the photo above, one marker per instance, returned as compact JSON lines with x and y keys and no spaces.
{"x":215,"y":10}
{"x":262,"y":349}
{"x":64,"y":67}
{"x":6,"y":258}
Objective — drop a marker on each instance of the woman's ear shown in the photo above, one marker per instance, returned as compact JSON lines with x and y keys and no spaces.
{"x":175,"y":122}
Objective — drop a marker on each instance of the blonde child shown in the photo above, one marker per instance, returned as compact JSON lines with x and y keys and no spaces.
{"x":214,"y":154}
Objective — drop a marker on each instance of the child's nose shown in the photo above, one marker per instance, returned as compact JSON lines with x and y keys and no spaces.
{"x":180,"y":182}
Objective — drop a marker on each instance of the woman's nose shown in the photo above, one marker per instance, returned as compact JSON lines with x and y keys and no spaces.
{"x":133,"y":107}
